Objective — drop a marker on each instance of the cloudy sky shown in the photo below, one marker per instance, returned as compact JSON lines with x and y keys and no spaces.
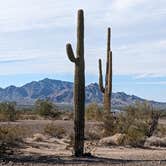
{"x":33,"y":35}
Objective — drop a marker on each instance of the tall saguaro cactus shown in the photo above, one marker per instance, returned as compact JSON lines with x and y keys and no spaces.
{"x":79,"y":85}
{"x":107,"y":90}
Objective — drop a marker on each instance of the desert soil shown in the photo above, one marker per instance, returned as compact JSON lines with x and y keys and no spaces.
{"x":52,"y":151}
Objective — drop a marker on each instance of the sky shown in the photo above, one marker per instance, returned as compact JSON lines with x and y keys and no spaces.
{"x":34,"y":33}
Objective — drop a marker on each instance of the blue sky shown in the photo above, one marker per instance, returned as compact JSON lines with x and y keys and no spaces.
{"x":33,"y":35}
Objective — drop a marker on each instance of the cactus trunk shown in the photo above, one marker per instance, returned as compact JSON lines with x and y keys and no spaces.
{"x":107,"y":90}
{"x":106,"y":101}
{"x":79,"y":86}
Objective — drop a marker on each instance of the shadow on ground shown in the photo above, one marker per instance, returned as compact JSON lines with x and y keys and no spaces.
{"x":61,"y":160}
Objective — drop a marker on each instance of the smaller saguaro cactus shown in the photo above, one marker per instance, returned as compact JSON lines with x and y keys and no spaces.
{"x":107,"y":90}
{"x":79,"y":86}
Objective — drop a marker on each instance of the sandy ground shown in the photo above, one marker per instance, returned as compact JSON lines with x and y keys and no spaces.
{"x":50,"y":151}
{"x":122,"y":153}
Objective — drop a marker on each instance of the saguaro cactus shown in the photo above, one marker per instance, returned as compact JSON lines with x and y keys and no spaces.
{"x":107,"y":91}
{"x":79,"y":85}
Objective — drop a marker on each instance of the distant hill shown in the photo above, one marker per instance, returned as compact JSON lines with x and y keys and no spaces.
{"x":61,"y":92}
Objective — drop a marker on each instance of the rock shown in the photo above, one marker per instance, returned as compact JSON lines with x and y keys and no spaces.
{"x":116,"y":139}
{"x":65,"y":118}
{"x":156,"y":141}
{"x":39,"y":137}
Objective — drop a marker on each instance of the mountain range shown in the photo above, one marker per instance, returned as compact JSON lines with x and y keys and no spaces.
{"x":61,"y":92}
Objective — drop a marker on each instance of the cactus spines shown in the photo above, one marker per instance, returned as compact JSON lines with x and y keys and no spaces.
{"x":107,"y":90}
{"x":79,"y":86}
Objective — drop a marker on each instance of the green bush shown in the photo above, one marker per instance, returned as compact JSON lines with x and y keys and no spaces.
{"x":163,"y":114}
{"x":47,"y":109}
{"x":109,"y":124}
{"x":27,"y":114}
{"x":135,"y":135}
{"x":137,"y":122}
{"x":161,"y":130}
{"x":8,"y":111}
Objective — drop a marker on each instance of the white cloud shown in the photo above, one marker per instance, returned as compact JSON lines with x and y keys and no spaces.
{"x":152,"y":83}
{"x":145,"y":58}
{"x":138,"y":35}
{"x":23,"y":15}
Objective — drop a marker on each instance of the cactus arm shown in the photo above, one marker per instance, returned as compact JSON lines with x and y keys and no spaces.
{"x":101,"y":77}
{"x":70,"y":53}
{"x":110,"y":73}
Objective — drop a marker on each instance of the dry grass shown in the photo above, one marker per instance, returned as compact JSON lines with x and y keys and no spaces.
{"x":10,"y":136}
{"x":54,"y":131}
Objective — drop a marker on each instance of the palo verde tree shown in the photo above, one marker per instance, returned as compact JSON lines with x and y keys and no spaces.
{"x":79,"y":86}
{"x":107,"y":90}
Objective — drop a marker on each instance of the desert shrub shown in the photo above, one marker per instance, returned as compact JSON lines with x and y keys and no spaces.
{"x":93,"y":112}
{"x":137,"y":122}
{"x":90,"y":135}
{"x":109,"y":124}
{"x":2,"y":117}
{"x":54,"y":131}
{"x":140,"y":122}
{"x":135,"y":136}
{"x":29,"y":117}
{"x":161,"y":130}
{"x":47,"y":109}
{"x":10,"y":136}
{"x":163,"y":114}
{"x":28,"y":114}
{"x":67,"y":115}
{"x":8,"y":111}
{"x":93,"y":133}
